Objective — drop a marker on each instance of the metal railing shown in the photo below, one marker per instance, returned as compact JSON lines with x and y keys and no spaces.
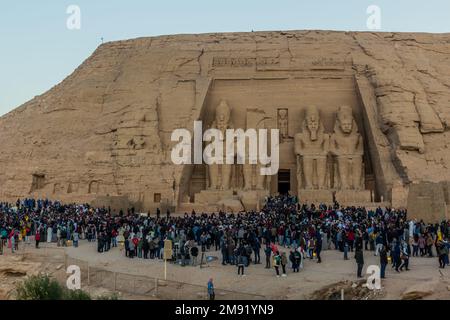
{"x":149,"y":287}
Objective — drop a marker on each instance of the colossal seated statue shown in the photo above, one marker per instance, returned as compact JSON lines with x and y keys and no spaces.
{"x":346,"y":145}
{"x":221,"y":180}
{"x":311,"y":149}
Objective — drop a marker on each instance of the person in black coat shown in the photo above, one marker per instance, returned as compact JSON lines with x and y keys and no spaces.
{"x":268,"y":252}
{"x":256,"y":250}
{"x":100,"y":243}
{"x":359,"y":257}
{"x":145,"y":247}
{"x":194,"y":254}
{"x":383,"y":261}
{"x":318,"y":245}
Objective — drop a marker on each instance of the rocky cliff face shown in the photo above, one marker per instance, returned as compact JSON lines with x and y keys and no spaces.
{"x":105,"y":130}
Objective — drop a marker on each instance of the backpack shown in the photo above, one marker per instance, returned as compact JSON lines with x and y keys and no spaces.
{"x":276,"y":260}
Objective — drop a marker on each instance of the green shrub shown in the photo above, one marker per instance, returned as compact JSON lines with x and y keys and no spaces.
{"x":76,"y":295}
{"x":42,"y":287}
{"x":113,"y":296}
{"x":39,"y":287}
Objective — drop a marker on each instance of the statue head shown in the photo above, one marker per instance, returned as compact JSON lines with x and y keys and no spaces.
{"x":282,"y":113}
{"x":223,"y":112}
{"x":345,"y":119}
{"x":312,"y":121}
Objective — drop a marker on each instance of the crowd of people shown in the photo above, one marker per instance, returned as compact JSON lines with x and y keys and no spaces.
{"x":285,"y":230}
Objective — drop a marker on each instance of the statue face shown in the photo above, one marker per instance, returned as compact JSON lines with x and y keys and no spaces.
{"x":222,"y":113}
{"x":345,"y":119}
{"x":312,"y":122}
{"x":221,"y":116}
{"x":346,"y":125}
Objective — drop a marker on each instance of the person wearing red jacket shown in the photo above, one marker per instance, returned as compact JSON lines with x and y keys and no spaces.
{"x":114,"y":235}
{"x":351,"y":239}
{"x":12,"y":239}
{"x":37,"y":238}
{"x":135,"y":242}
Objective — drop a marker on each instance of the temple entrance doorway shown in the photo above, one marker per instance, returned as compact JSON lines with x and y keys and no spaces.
{"x":284,"y":181}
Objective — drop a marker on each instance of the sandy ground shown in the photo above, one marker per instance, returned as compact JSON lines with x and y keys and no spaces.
{"x":424,"y":278}
{"x":261,"y":281}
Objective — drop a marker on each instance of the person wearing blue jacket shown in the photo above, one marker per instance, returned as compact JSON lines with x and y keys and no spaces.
{"x":211,"y":293}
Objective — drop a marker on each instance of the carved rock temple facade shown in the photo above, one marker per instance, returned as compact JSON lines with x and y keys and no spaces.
{"x":364,"y":119}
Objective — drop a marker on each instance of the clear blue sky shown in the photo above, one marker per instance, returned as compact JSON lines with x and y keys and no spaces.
{"x":37,"y":50}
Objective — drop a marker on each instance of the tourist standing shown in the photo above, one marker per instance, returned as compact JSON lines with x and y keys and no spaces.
{"x":422,"y":245}
{"x":404,"y":257}
{"x":224,"y":250}
{"x":277,"y":263}
{"x":378,"y":243}
{"x":131,"y":248}
{"x":241,"y":263}
{"x":49,"y":234}
{"x":114,"y":235}
{"x":37,"y":237}
{"x":76,"y":238}
{"x":283,"y":264}
{"x":429,"y":245}
{"x":415,"y":246}
{"x":256,"y":249}
{"x":346,"y":250}
{"x":442,"y":250}
{"x":211,"y":293}
{"x":359,"y":257}
{"x":396,"y":255}
{"x":145,"y":247}
{"x":383,"y":261}
{"x":318,"y":245}
{"x":311,"y":248}
{"x":194,"y":254}
{"x":268,"y":252}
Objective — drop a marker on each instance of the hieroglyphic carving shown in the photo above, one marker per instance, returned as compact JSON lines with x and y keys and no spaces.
{"x":244,"y":61}
{"x":327,"y":63}
{"x":283,"y":124}
{"x":233,"y":62}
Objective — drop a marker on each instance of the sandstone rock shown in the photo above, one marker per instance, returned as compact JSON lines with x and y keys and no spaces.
{"x":103,"y":135}
{"x":230,"y":205}
{"x":420,"y":290}
{"x":162,"y":283}
{"x":11,"y":273}
{"x":427,"y":197}
{"x":9,"y":269}
{"x":4,"y":294}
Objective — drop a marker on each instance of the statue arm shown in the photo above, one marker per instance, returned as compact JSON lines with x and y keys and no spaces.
{"x":333,"y":149}
{"x":326,"y":143}
{"x":360,"y":147}
{"x":297,"y":144}
{"x":299,"y":171}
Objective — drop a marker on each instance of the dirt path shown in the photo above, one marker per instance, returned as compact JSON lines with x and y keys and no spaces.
{"x":263,"y":281}
{"x":424,"y":276}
